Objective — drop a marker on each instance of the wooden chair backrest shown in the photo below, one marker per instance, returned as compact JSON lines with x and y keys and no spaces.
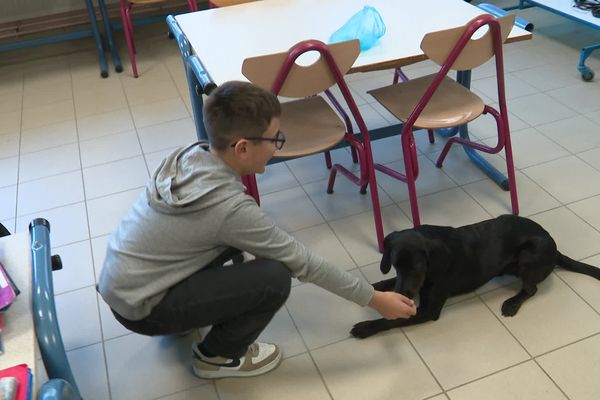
{"x":438,"y":45}
{"x":301,"y":81}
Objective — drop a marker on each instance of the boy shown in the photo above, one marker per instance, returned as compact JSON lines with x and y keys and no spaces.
{"x":164,"y":270}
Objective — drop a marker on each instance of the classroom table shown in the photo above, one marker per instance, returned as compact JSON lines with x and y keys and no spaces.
{"x":215,"y":42}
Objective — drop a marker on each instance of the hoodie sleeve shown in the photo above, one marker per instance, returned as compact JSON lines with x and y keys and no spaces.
{"x":248,"y":228}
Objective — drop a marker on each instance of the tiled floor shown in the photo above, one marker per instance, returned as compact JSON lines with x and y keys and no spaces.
{"x":77,"y":149}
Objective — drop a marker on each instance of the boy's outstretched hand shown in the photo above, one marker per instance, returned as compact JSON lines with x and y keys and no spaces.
{"x":392,"y":305}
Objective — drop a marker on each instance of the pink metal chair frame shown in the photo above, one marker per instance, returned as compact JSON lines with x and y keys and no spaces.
{"x":126,"y":8}
{"x":361,"y":147}
{"x":408,"y":143}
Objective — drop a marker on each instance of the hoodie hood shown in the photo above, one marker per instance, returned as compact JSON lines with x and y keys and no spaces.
{"x":190,"y":179}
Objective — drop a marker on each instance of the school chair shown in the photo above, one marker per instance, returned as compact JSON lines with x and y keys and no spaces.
{"x":437,"y":101}
{"x":310,"y":124}
{"x":126,"y":7}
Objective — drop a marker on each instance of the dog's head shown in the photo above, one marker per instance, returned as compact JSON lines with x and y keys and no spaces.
{"x":408,"y":252}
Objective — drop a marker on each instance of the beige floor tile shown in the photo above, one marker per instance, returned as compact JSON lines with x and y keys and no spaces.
{"x":515,"y":87}
{"x":381,"y":367}
{"x":575,"y":368}
{"x":430,"y":180}
{"x":555,"y":308}
{"x":11,"y":122}
{"x":304,"y":214}
{"x":466,"y":343}
{"x":48,"y":136}
{"x":451,"y":207}
{"x":588,"y":210}
{"x":357,"y":233}
{"x":532,"y":198}
{"x":574,"y":134}
{"x":322,"y":240}
{"x":48,"y":114}
{"x":539,"y":109}
{"x":345,"y":200}
{"x":105,"y":213}
{"x":525,"y":381}
{"x":167,"y":135}
{"x":295,"y":379}
{"x":586,"y":287}
{"x":282,"y":331}
{"x":78,"y":269}
{"x":8,"y":202}
{"x":530,"y":147}
{"x":581,"y":96}
{"x":204,"y":392}
{"x":115,"y":177}
{"x":78,"y":317}
{"x":166,"y":361}
{"x":592,"y":157}
{"x":158,"y":112}
{"x":275,"y":178}
{"x":53,"y":161}
{"x":58,"y":190}
{"x":99,"y":100}
{"x":104,"y":124}
{"x":332,"y":322}
{"x":68,"y":224}
{"x":106,"y":149}
{"x":312,"y":168}
{"x":567,"y":179}
{"x":92,"y":382}
{"x":459,"y":167}
{"x":573,"y":236}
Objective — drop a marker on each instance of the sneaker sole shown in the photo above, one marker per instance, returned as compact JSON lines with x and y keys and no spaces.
{"x":224,"y":373}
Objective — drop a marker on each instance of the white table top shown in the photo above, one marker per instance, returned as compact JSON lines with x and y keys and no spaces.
{"x":19,"y":335}
{"x":222,"y":38}
{"x":566,"y":7}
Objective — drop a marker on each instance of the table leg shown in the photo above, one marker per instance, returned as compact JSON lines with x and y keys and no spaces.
{"x":96,"y":32}
{"x":109,"y":36}
{"x":464,"y":78}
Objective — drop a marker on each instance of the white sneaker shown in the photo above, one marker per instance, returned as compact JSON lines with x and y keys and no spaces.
{"x":260,"y":358}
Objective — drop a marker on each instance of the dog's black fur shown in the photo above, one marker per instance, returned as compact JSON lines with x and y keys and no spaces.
{"x":437,"y":262}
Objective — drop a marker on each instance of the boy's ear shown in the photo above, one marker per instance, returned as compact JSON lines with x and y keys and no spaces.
{"x":241,"y":148}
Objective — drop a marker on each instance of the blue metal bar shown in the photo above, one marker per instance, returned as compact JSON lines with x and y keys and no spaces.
{"x":586,"y":51}
{"x":199,"y":81}
{"x":93,"y":32}
{"x":109,"y":36}
{"x":44,"y":311}
{"x":96,"y":33}
{"x":499,"y":12}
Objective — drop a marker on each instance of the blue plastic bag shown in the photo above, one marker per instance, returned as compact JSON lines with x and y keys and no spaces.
{"x":366,"y":26}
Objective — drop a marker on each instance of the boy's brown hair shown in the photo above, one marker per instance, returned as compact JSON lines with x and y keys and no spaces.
{"x":238,"y":109}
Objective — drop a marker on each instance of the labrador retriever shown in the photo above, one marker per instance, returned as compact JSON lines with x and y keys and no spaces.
{"x":437,"y":262}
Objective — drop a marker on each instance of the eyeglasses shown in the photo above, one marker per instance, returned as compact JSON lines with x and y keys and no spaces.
{"x":279,"y":140}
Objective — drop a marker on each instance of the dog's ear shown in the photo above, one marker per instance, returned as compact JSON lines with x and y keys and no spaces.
{"x":386,"y":260}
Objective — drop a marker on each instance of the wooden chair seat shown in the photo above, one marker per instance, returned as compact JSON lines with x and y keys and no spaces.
{"x":146,"y":1}
{"x":310,"y":126}
{"x":451,"y":105}
{"x":227,"y":3}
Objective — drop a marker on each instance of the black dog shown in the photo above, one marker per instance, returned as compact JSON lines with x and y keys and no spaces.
{"x":437,"y":262}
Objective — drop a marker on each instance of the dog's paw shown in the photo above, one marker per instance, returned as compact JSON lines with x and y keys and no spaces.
{"x":364,"y":329}
{"x":510,"y":308}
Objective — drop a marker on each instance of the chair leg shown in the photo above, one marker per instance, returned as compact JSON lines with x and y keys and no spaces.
{"x":376,"y":208}
{"x":193,"y":5}
{"x":431,"y":136}
{"x":128,"y":29}
{"x":331,"y":182}
{"x":412,"y":194}
{"x":328,"y":159}
{"x":249,"y":181}
{"x":512,"y":181}
{"x":354,"y":155}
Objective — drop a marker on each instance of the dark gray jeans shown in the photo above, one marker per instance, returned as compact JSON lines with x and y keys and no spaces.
{"x":238,"y":301}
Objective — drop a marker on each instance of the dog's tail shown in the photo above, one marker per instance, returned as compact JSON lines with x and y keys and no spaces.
{"x":577,"y":266}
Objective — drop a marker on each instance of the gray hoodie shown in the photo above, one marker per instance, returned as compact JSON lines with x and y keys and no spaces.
{"x":194,"y":208}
